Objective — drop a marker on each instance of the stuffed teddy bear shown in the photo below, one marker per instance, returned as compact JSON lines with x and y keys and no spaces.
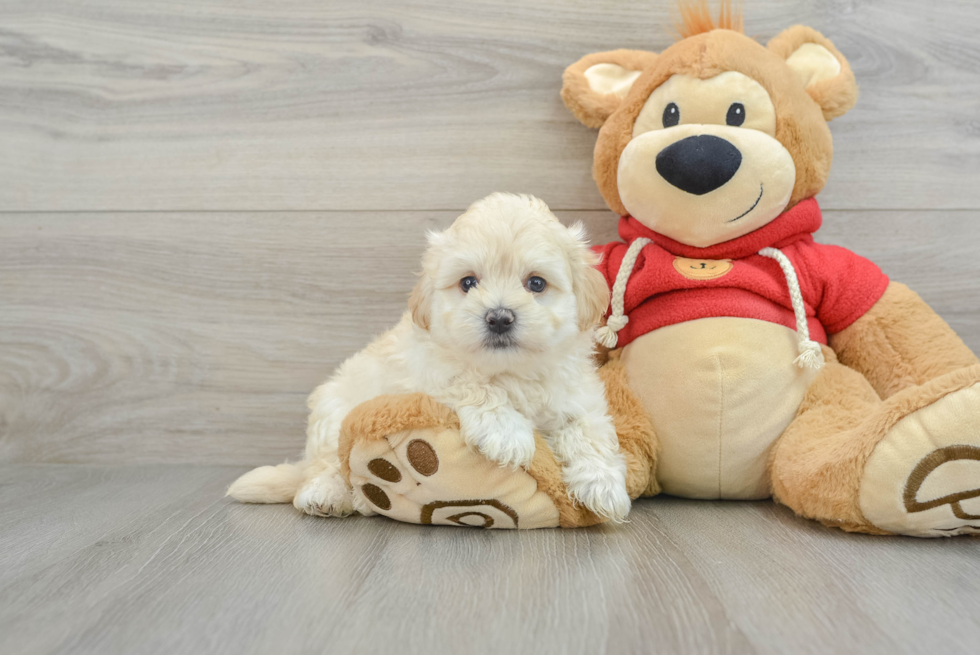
{"x":745,"y":360}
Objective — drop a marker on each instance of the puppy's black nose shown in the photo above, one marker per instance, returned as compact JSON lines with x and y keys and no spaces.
{"x":699,"y":164}
{"x":500,"y":320}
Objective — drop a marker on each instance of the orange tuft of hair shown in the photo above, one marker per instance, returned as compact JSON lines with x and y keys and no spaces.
{"x":696,"y":18}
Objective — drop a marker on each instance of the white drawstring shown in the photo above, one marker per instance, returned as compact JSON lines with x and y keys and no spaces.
{"x":810,"y":354}
{"x":606,"y":335}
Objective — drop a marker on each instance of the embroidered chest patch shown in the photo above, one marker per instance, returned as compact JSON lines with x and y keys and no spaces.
{"x":702,"y":269}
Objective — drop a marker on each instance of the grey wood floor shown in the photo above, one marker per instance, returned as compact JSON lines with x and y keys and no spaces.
{"x":151,"y":559}
{"x":205,"y":206}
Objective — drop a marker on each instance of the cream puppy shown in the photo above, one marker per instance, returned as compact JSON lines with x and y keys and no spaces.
{"x":500,"y":329}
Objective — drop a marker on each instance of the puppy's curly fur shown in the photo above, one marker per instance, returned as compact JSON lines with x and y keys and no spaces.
{"x":504,"y":382}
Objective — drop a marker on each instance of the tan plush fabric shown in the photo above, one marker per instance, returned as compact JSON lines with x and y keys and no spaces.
{"x":405,"y":452}
{"x":547,"y":473}
{"x":719,"y":399}
{"x":719,"y":392}
{"x":817,"y":464}
{"x":901,"y":342}
{"x":380,"y":417}
{"x":800,"y":123}
{"x":705,"y":100}
{"x":637,"y":440}
{"x":589,"y":106}
{"x":692,"y":219}
{"x":923,"y":478}
{"x":429,"y":476}
{"x":836,"y":95}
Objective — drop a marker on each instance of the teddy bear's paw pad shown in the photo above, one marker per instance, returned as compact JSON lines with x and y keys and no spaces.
{"x":923,"y":478}
{"x":429,"y":476}
{"x":472,"y":513}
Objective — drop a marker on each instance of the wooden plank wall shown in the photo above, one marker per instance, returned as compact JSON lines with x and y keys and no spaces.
{"x":205,"y":206}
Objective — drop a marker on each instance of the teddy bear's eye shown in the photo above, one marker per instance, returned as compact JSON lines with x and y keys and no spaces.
{"x":736,"y":114}
{"x":467,"y":283}
{"x":672,"y":115}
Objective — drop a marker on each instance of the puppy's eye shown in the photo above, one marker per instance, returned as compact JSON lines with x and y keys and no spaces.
{"x":672,"y":115}
{"x":467,"y":283}
{"x":736,"y":114}
{"x":535,"y":284}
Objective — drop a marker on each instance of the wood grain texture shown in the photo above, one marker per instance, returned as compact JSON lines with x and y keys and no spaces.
{"x":138,"y":338}
{"x":152,"y":560}
{"x":300,"y":104}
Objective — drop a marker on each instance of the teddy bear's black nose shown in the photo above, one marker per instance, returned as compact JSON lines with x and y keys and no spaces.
{"x":699,"y":164}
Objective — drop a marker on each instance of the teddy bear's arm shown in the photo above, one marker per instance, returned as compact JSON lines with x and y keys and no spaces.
{"x":900,"y":342}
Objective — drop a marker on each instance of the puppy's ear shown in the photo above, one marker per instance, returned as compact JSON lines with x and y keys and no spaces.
{"x":420,"y":302}
{"x":593,"y":297}
{"x":823,"y":70}
{"x":595,"y":85}
{"x":590,"y":288}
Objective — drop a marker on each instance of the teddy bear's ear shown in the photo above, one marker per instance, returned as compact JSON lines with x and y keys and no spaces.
{"x":821,"y":68}
{"x":595,"y":85}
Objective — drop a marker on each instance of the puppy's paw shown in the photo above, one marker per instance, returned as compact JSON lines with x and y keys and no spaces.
{"x":602,"y":492}
{"x":325,"y":495}
{"x":362,"y":506}
{"x":503,"y":434}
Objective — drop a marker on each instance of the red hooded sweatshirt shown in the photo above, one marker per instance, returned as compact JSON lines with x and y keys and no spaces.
{"x":672,"y":282}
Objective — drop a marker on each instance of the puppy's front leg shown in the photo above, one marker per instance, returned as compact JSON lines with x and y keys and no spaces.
{"x":498,"y":431}
{"x":326,"y":493}
{"x":592,"y":466}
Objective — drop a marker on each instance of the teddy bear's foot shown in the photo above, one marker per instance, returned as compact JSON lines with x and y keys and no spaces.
{"x":405,"y":459}
{"x":923,"y":477}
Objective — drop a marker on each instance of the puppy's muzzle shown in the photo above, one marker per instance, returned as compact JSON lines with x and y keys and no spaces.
{"x":500,"y":320}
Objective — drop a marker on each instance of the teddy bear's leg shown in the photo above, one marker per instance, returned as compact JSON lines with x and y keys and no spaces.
{"x":901,"y":342}
{"x":906,"y":465}
{"x":405,"y":459}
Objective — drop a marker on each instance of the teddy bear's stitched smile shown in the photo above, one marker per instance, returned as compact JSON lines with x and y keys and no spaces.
{"x":754,"y":205}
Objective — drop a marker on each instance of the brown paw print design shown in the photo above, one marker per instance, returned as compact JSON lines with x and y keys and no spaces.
{"x":431,"y":477}
{"x":922,"y":493}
